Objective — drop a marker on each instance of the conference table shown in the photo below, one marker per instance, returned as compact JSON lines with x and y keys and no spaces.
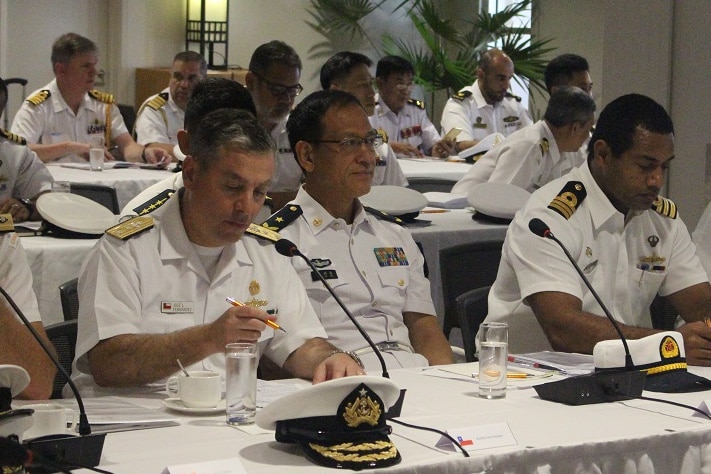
{"x":433,"y":168}
{"x":635,"y":436}
{"x":54,"y":261}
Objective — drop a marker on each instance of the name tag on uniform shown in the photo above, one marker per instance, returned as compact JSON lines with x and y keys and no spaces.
{"x":175,"y":307}
{"x":326,"y":274}
{"x":390,"y":256}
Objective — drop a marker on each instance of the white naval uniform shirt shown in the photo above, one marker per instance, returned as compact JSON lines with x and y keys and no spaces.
{"x":16,"y":276}
{"x":155,"y":282}
{"x":521,"y":159}
{"x":387,"y":168}
{"x":53,"y":121}
{"x":410,"y":125}
{"x":477,"y":118}
{"x":22,"y":174}
{"x":627,"y":264}
{"x":374,"y":267}
{"x":159,"y":126}
{"x":288,"y":174}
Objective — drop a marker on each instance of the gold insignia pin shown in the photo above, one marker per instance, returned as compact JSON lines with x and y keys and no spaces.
{"x":317,"y":222}
{"x":254,"y":287}
{"x":588,"y":252}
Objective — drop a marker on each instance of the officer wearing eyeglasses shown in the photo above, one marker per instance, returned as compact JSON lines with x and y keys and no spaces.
{"x":404,"y":119}
{"x":273,"y":82}
{"x":372,"y":263}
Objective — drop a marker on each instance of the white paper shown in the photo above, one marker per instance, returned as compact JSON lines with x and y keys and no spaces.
{"x":476,"y":438}
{"x":446,"y":200}
{"x":222,"y":466}
{"x":569,"y":363}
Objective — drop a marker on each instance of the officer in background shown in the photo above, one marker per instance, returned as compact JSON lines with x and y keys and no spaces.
{"x":273,"y":81}
{"x":410,"y":132}
{"x":61,"y":120}
{"x":23,"y":177}
{"x":486,"y":106}
{"x":350,"y":72}
{"x":162,"y":115}
{"x":568,"y":70}
{"x":531,"y":157}
{"x":373,"y":265}
{"x":629,"y":242}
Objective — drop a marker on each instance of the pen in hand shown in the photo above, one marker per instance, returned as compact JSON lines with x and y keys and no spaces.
{"x":268,"y":322}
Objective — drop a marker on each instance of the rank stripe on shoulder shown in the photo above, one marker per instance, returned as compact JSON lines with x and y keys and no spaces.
{"x":417,"y":103}
{"x":383,"y":215}
{"x":104,"y":97}
{"x":39,"y":97}
{"x":461,"y":95}
{"x":283,"y":217}
{"x":158,"y":101}
{"x":569,"y":198}
{"x":131,"y":227}
{"x":12,"y":137}
{"x":665,"y":207}
{"x":263,"y":232}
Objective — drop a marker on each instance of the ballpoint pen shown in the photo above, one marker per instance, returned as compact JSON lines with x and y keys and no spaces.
{"x":532,"y":365}
{"x":268,"y":322}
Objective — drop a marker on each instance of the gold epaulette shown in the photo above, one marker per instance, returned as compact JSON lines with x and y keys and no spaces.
{"x":158,"y":101}
{"x":417,"y":103}
{"x":104,"y":97}
{"x":509,"y":95}
{"x":383,"y":134}
{"x":283,"y":217}
{"x":384,"y":215}
{"x":461,"y":95}
{"x":665,"y":207}
{"x":154,"y":203}
{"x":545,"y":146}
{"x":6,"y":224}
{"x":9,"y":136}
{"x":263,"y":233}
{"x":131,"y":227}
{"x":39,"y":97}
{"x":570,"y":197}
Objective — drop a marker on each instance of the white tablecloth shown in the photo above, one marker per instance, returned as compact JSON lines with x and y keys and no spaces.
{"x":127,"y":181}
{"x":622,"y":437}
{"x":429,"y":168}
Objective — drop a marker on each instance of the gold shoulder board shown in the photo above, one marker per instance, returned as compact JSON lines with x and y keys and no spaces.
{"x":104,"y":97}
{"x":12,"y":137}
{"x":283,"y":217}
{"x":131,"y":227}
{"x":417,"y":103}
{"x":545,"y":146}
{"x":263,"y":232}
{"x":461,"y":95}
{"x":383,"y":134}
{"x":384,"y":215}
{"x":157,"y":102}
{"x":570,"y":197}
{"x":39,"y":97}
{"x":665,"y":207}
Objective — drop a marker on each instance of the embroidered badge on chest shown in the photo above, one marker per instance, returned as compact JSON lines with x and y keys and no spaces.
{"x":390,"y":256}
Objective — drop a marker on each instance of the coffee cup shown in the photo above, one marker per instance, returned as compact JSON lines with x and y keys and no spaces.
{"x":199,"y":389}
{"x":49,"y":419}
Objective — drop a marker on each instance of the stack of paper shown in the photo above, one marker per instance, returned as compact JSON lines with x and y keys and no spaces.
{"x":446,"y":200}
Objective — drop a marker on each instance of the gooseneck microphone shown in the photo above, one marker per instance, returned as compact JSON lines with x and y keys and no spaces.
{"x":597,"y":387}
{"x":541,"y":229}
{"x":84,"y":450}
{"x":288,"y":249}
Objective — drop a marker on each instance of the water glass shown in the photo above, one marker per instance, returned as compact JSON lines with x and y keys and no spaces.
{"x":493,"y":356}
{"x":241,"y":382}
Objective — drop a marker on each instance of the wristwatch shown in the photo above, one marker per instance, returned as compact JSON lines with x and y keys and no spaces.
{"x":352,"y":355}
{"x":28,"y":204}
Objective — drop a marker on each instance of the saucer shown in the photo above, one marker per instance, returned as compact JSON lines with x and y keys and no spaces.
{"x":177,"y":405}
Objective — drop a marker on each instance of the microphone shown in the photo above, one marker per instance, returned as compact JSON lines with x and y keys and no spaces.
{"x":598,"y":387}
{"x":289,"y":249}
{"x":84,"y":450}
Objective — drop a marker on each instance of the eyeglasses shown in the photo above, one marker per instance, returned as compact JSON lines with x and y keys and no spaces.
{"x":279,"y":90}
{"x":352,"y":144}
{"x":403,"y":87}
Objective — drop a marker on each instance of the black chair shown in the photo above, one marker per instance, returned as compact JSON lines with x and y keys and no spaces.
{"x":472,"y":308}
{"x":104,"y":195}
{"x":425,"y":185}
{"x":129,"y":117}
{"x":466,"y":267}
{"x":663,"y":314}
{"x":70,"y":299}
{"x":63,"y":337}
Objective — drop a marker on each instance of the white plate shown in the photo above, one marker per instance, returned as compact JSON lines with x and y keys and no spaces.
{"x":500,"y":200}
{"x":75,"y":213}
{"x":395,"y":200}
{"x":177,"y":405}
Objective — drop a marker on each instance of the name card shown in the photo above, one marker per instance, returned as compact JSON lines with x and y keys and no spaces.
{"x":479,"y":437}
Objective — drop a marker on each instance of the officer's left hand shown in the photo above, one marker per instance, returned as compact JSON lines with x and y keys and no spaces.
{"x":15,"y":208}
{"x":442,"y":149}
{"x":157,"y":156}
{"x":697,"y":342}
{"x":336,"y":366}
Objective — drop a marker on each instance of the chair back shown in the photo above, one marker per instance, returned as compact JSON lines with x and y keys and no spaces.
{"x":63,"y":337}
{"x":466,"y":267}
{"x":128,"y":113}
{"x":69,"y":297}
{"x":663,"y":314}
{"x":104,"y":195}
{"x":426,"y":185}
{"x":472,"y":308}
